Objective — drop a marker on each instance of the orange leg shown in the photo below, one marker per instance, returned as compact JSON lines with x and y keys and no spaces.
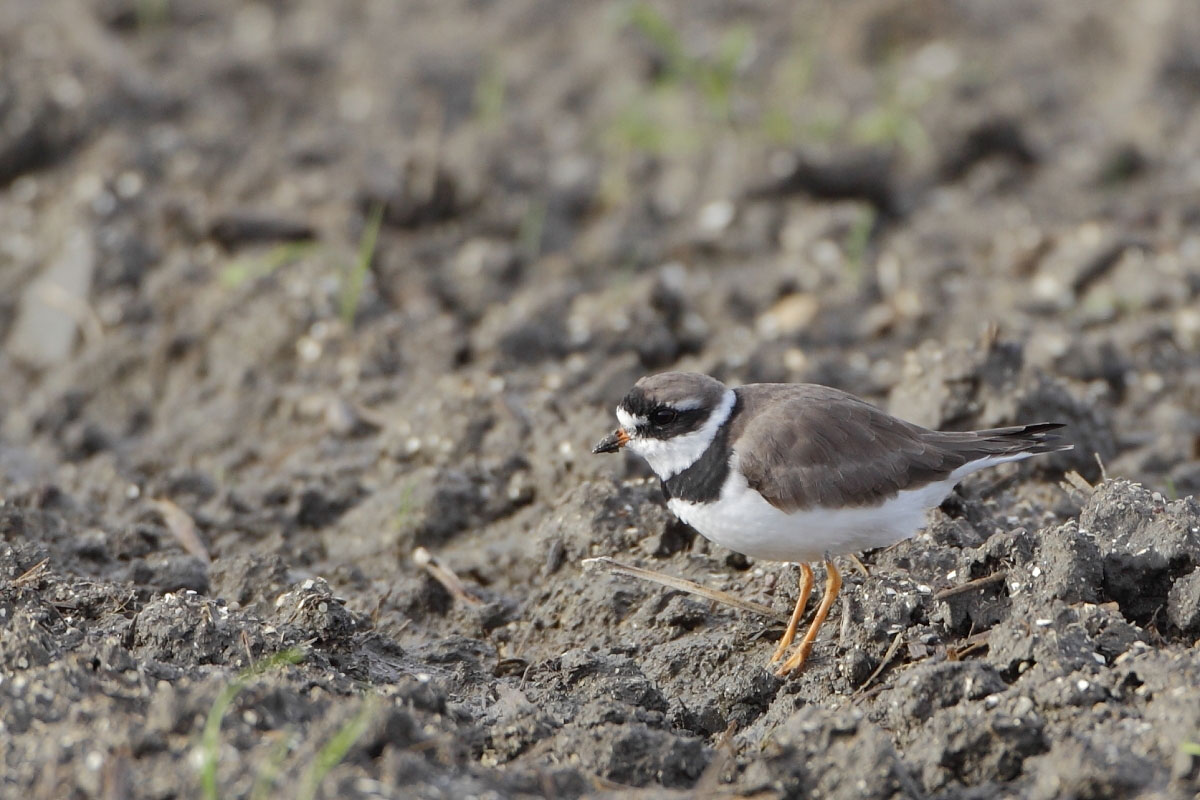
{"x":833,"y":584}
{"x":806,"y":584}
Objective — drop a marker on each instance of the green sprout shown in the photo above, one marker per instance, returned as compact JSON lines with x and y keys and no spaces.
{"x":355,"y":277}
{"x":533,"y":225}
{"x":247,"y":269}
{"x":268,"y":774}
{"x":406,"y":507}
{"x":210,"y":740}
{"x":336,"y":749}
{"x":490,"y":91}
{"x":858,"y":238}
{"x":327,"y":758}
{"x":714,"y":77}
{"x":1172,"y":489}
{"x":689,"y":102}
{"x":655,"y":27}
{"x":894,"y":119}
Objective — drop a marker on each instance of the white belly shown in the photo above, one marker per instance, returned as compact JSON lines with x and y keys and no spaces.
{"x":743,"y":521}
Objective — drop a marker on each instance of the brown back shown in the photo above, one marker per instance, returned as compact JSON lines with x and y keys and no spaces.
{"x":804,"y":445}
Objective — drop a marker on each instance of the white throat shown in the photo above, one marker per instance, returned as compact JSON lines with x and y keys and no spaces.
{"x":668,"y":457}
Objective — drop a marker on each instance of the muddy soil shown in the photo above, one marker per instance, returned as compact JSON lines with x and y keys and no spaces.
{"x":296,"y":293}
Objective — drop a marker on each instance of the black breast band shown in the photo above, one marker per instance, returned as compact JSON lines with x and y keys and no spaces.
{"x":702,"y":481}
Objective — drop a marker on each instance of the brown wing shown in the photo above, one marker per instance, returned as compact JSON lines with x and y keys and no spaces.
{"x":811,"y":445}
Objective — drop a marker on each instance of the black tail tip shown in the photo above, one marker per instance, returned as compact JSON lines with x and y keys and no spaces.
{"x":1043,"y":440}
{"x":1041,"y":427}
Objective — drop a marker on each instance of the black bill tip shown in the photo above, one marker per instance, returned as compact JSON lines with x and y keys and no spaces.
{"x":611,"y":443}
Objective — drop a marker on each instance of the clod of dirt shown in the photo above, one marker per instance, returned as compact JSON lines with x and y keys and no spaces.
{"x":1088,"y":768}
{"x":422,"y":194}
{"x":187,"y":629}
{"x":1146,"y":542}
{"x":320,"y":506}
{"x":241,"y":227}
{"x":866,"y":174}
{"x":972,"y":744}
{"x":1183,"y":603}
{"x":541,"y":337}
{"x":170,"y":573}
{"x":1001,"y":137}
{"x":634,"y":754}
{"x":949,"y":386}
{"x":441,"y":507}
{"x":311,"y":610}
{"x":1071,"y":564}
{"x":612,"y":680}
{"x":928,"y":688}
{"x":731,"y":697}
{"x":606,"y":518}
{"x":42,"y":133}
{"x":515,"y":724}
{"x":809,"y":754}
{"x":250,"y":581}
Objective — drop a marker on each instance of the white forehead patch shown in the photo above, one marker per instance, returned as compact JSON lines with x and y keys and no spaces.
{"x":628,"y":421}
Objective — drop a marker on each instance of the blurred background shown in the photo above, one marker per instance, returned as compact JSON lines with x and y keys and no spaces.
{"x":207,"y":203}
{"x":335,"y":280}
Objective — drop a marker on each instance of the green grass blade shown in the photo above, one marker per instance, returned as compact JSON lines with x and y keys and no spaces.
{"x":246,"y":269}
{"x":352,"y":283}
{"x":264,"y":782}
{"x":210,"y":739}
{"x":858,"y":239}
{"x":662,"y":36}
{"x":335,"y":750}
{"x":210,"y":742}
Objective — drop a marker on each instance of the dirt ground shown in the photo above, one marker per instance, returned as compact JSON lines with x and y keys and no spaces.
{"x":293,"y":291}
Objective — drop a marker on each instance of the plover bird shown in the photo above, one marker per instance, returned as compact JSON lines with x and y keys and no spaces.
{"x":800,"y":472}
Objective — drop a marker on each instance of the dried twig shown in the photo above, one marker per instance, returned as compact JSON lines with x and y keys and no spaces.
{"x":183,"y":527}
{"x":887,"y":658}
{"x":973,"y":643}
{"x":687,"y":586}
{"x":378,"y":611}
{"x":443,"y":575}
{"x":374,"y":418}
{"x":866,"y":573}
{"x":247,"y":648}
{"x":1074,"y":482}
{"x":978,"y":583}
{"x":32,"y":574}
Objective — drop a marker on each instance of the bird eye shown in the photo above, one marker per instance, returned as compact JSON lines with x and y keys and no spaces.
{"x":663,"y":416}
